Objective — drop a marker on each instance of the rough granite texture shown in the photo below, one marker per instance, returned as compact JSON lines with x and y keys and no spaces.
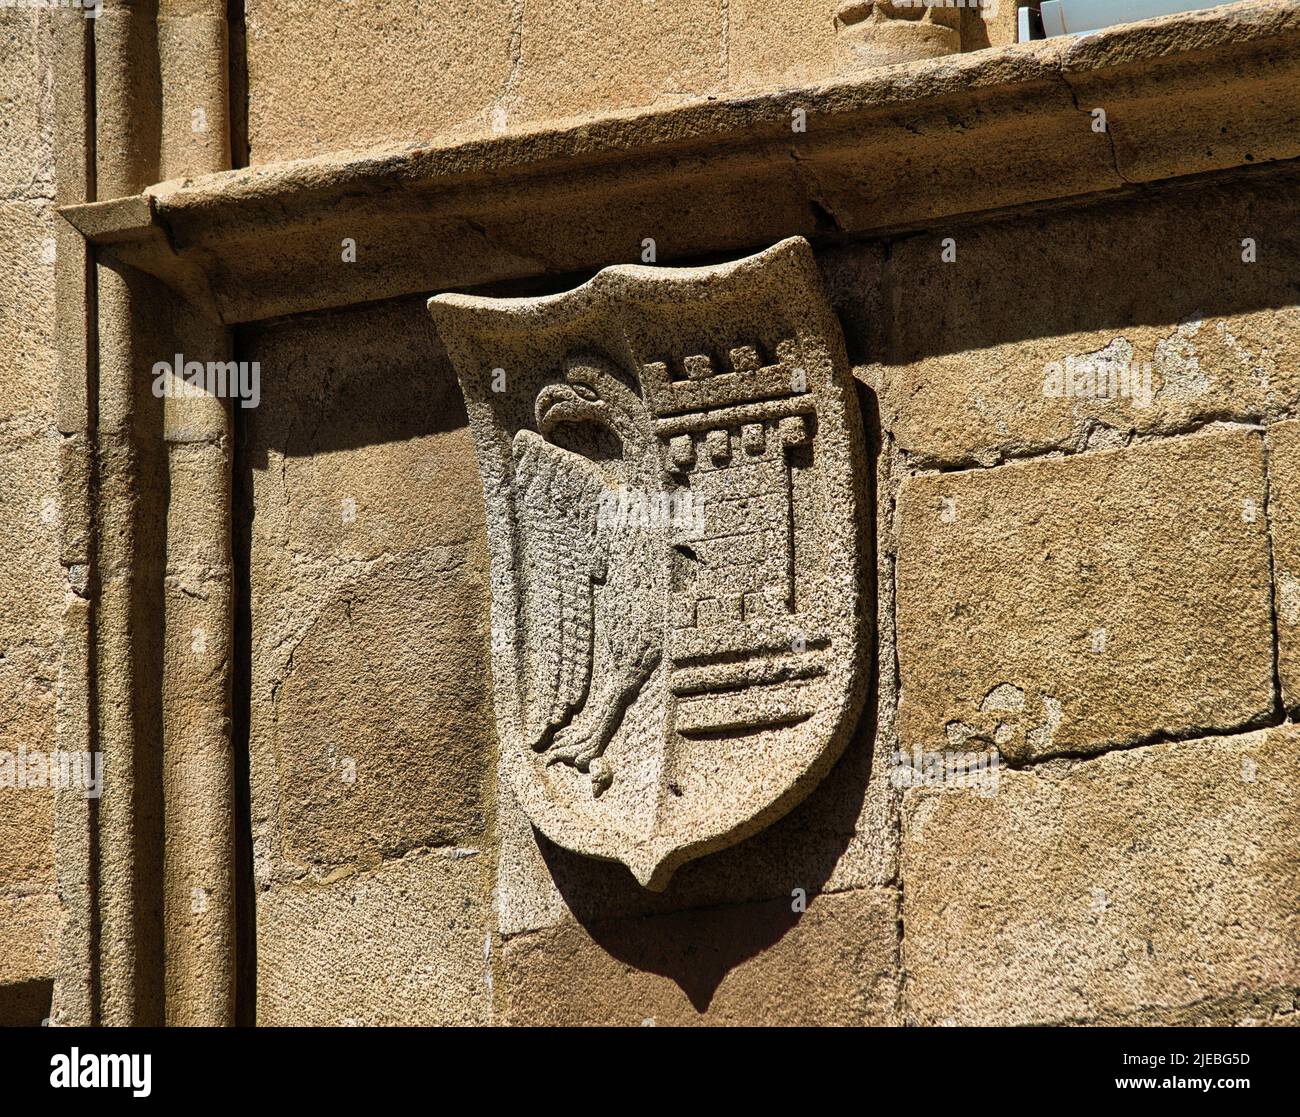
{"x":747,"y":964}
{"x":346,"y":76}
{"x":1074,"y":355}
{"x":1120,"y":889}
{"x":1284,"y":516}
{"x":356,"y":75}
{"x":26,"y":104}
{"x":370,"y":740}
{"x":405,"y":943}
{"x":369,"y":735}
{"x":1175,"y":330}
{"x":876,"y":151}
{"x":1073,"y":604}
{"x":32,"y":585}
{"x":668,"y":675}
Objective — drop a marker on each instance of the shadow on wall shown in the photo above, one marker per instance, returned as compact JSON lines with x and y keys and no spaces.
{"x":1146,"y":261}
{"x":953,"y":340}
{"x":335,"y":383}
{"x":26,"y":1005}
{"x":361,"y":720}
{"x":696,"y":947}
{"x":340,"y":393}
{"x":366,"y":598}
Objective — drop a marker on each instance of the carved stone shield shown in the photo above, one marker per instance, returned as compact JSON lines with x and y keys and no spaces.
{"x":673,"y":470}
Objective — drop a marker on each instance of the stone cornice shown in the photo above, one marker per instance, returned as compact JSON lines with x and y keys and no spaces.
{"x":891,"y":150}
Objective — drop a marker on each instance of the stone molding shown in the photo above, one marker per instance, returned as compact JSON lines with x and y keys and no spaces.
{"x":889,"y":150}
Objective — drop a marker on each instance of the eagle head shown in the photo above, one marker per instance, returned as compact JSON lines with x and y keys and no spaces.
{"x":592,"y":393}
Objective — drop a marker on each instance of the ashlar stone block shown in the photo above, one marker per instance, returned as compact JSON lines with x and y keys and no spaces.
{"x":1072,"y":604}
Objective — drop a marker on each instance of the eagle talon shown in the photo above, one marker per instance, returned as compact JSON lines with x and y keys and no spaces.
{"x":601,"y":775}
{"x":585,"y":755}
{"x":579,"y":753}
{"x":583,"y":761}
{"x":568,"y":748}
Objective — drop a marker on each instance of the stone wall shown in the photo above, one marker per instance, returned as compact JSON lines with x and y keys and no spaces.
{"x":1093,"y":585}
{"x":32,"y":583}
{"x":1076,"y":355}
{"x":370,"y":736}
{"x":1096,"y":586}
{"x":373,"y":72}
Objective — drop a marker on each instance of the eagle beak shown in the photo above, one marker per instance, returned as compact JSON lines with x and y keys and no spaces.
{"x":560,"y":403}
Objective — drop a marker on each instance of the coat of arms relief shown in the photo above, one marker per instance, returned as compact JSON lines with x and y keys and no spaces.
{"x":670,"y":460}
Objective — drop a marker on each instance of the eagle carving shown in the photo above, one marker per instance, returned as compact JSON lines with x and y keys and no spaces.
{"x":673,"y":481}
{"x":593,"y":587}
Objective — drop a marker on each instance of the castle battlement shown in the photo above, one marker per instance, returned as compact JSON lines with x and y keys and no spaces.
{"x":700,"y":381}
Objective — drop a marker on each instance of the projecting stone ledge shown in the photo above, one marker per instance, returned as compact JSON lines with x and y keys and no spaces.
{"x":890,"y":149}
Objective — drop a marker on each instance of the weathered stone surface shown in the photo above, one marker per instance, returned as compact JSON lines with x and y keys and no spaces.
{"x":29,"y":925}
{"x":351,"y":76}
{"x":358,"y":75}
{"x":369,"y":732}
{"x":990,"y":23}
{"x":32,"y":588}
{"x":1070,"y":604}
{"x":26,"y":103}
{"x":31,"y":603}
{"x":27,"y":376}
{"x":32,"y":585}
{"x":404,"y":944}
{"x":1153,"y":885}
{"x":194,"y":69}
{"x":895,"y":148}
{"x":878,"y":33}
{"x":980,"y":344}
{"x":586,"y":56}
{"x":26,"y":816}
{"x":672,"y":466}
{"x":1223,"y":113}
{"x":1284,"y":523}
{"x":775,"y":43}
{"x":750,"y":964}
{"x":26,"y":1005}
{"x":1108,"y":600}
{"x":1274,"y":1008}
{"x":364,"y":768}
{"x":199,"y":795}
{"x":842,"y":836}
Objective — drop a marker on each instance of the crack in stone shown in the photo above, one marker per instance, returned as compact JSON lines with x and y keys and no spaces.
{"x":921,"y":466}
{"x":1110,"y":140}
{"x":823,"y":212}
{"x":1259,"y":722}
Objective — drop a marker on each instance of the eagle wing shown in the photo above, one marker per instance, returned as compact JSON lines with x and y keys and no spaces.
{"x":557,"y":501}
